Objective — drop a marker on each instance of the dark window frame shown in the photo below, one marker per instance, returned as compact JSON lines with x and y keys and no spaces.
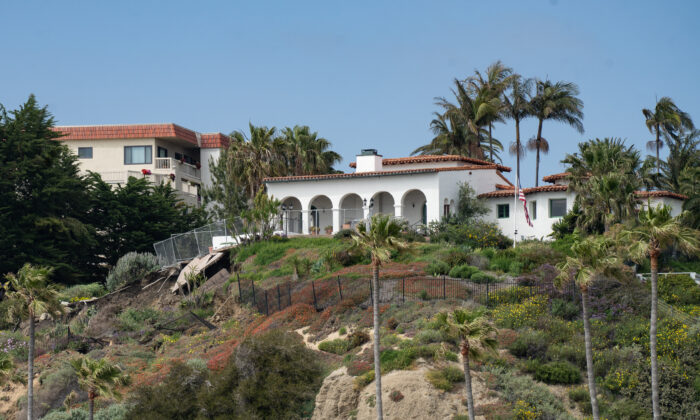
{"x":148,"y":155}
{"x":159,"y":149}
{"x":503,"y":211}
{"x":551,"y":203}
{"x":533,"y":210}
{"x":84,"y":149}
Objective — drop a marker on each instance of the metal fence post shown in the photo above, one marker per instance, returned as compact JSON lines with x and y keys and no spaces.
{"x":252,"y":284}
{"x":279,"y":298}
{"x":403,"y":290}
{"x":371,"y":295}
{"x":487,"y":294}
{"x":289,"y":293}
{"x":313,"y":288}
{"x":267,"y":309}
{"x":340,"y":289}
{"x":530,"y":287}
{"x":444,"y":288}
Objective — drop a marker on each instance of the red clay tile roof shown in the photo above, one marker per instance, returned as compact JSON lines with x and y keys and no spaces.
{"x":555,"y":177}
{"x":509,"y":192}
{"x":670,"y":194}
{"x":377,"y":173}
{"x":504,"y":187}
{"x":436,"y":158}
{"x":137,"y":131}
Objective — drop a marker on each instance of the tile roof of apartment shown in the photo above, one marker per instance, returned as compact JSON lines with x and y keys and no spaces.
{"x":136,"y":131}
{"x":661,"y":193}
{"x":377,"y":173}
{"x":509,"y":192}
{"x":436,"y":158}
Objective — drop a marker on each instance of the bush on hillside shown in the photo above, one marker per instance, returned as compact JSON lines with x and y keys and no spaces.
{"x":437,"y":268}
{"x":131,"y":268}
{"x":482,"y":278}
{"x":343,"y":234}
{"x":679,"y":289}
{"x":530,"y":344}
{"x":565,"y":309}
{"x":445,"y":378}
{"x":81,"y":292}
{"x":463,"y":271}
{"x":563,"y":373}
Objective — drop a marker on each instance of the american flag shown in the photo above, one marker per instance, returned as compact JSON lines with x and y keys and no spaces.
{"x":521,"y":197}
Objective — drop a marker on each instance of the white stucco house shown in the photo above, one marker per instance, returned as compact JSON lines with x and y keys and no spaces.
{"x":159,"y":152}
{"x":423,"y":189}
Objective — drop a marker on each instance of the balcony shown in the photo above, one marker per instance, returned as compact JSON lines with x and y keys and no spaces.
{"x":180,"y":169}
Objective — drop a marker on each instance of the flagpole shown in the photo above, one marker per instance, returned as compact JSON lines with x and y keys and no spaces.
{"x":515,"y":209}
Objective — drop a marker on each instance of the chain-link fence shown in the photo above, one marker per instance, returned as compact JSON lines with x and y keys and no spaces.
{"x":195,"y":243}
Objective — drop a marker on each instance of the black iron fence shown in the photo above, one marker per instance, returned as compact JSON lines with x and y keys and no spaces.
{"x":324,"y":293}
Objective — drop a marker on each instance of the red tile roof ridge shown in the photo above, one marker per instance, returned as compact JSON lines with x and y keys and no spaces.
{"x":436,"y":158}
{"x":554,"y":177}
{"x":509,"y":192}
{"x":375,"y":173}
{"x":660,"y":193}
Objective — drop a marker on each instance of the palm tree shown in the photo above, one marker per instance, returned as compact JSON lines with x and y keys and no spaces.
{"x":554,"y":101}
{"x":491,"y":85}
{"x":683,"y":152}
{"x":656,"y":231}
{"x":591,"y":258}
{"x":668,"y":118}
{"x":477,"y":335}
{"x":604,"y":174}
{"x":379,"y":239}
{"x":517,"y":107}
{"x":98,"y":377}
{"x":306,"y":153}
{"x":450,"y":138}
{"x":689,"y":181}
{"x":255,"y":157}
{"x":30,"y":294}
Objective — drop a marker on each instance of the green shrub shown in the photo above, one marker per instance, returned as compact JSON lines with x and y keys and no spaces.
{"x":137,"y":319}
{"x":131,"y":268}
{"x":480,"y":277}
{"x":524,"y":314}
{"x":428,"y":336}
{"x":337,"y":346}
{"x":679,"y":289}
{"x":530,"y":344}
{"x":565,"y":309}
{"x":445,"y":378}
{"x":579,"y":394}
{"x":200,"y":365}
{"x":463,"y":271}
{"x":514,"y":388}
{"x":364,"y":379}
{"x":571,"y":352}
{"x":343,"y":233}
{"x":437,"y":268}
{"x":558,"y":373}
{"x":515,"y":268}
{"x":82,"y":291}
{"x":627,"y":409}
{"x":397,"y":359}
{"x":342,"y":331}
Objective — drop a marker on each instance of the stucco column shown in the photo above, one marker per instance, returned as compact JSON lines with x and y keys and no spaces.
{"x":365,"y":212}
{"x":336,"y":220}
{"x":398,"y":210}
{"x":305,"y":222}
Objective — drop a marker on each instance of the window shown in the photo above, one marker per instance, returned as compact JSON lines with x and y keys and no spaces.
{"x":446,"y":210}
{"x":557,"y":207}
{"x":162,"y":152}
{"x":533,"y":210}
{"x":85,"y":152}
{"x":134,"y":155}
{"x":178,"y":156}
{"x":503,"y":211}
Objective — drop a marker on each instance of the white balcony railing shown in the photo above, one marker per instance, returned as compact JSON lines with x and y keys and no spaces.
{"x":170,"y":164}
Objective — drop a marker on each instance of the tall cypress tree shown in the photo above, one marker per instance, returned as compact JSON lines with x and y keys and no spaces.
{"x":43,"y":200}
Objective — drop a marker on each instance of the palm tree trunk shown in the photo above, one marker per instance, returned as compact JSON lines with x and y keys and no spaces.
{"x":490,"y":144}
{"x":91,"y":406}
{"x":468,"y":380}
{"x":654,"y":256}
{"x":377,"y":367}
{"x":537,"y":163}
{"x":658,"y":139}
{"x":30,"y":369}
{"x":589,"y":353}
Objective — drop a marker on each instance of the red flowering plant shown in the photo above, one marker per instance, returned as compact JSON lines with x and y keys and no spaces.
{"x":172,"y":177}
{"x":146,"y":171}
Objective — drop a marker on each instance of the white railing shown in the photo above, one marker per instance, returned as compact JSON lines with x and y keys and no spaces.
{"x":171,"y":164}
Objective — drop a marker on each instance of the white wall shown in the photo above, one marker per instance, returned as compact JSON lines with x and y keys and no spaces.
{"x":205,"y":156}
{"x":675,"y":204}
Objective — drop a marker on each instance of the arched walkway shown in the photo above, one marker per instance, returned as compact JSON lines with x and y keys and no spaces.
{"x":291,"y":212}
{"x":350,"y":210}
{"x":414,"y":207}
{"x":320,"y":214}
{"x":383,"y":203}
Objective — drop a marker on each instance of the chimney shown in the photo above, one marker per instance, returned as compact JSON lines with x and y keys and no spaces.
{"x":368,"y":161}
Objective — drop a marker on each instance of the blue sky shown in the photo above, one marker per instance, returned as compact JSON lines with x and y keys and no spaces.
{"x":362,"y":73}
